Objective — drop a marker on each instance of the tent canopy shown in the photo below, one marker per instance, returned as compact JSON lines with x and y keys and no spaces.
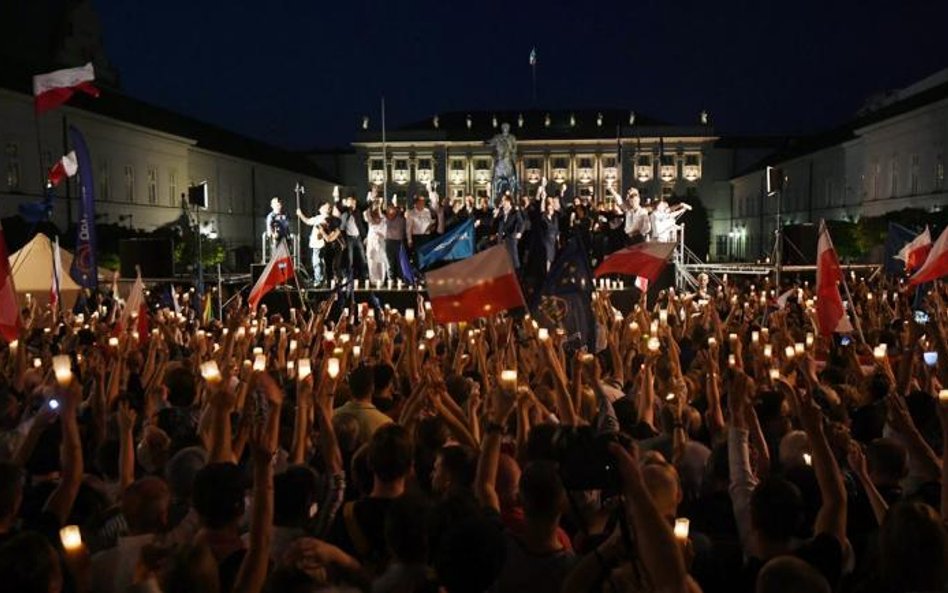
{"x":32,"y":268}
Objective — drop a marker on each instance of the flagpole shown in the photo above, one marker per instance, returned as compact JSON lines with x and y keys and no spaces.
{"x":384,"y":158}
{"x":852,"y":307}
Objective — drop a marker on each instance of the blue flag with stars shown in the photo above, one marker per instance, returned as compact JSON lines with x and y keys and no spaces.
{"x":457,"y":243}
{"x":565,"y":299}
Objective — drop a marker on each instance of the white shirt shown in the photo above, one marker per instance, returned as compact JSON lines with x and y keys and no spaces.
{"x":418,"y":221}
{"x":114,"y":569}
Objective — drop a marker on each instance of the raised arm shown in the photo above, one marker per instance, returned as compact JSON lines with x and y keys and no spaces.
{"x":62,"y":498}
{"x":486,"y":477}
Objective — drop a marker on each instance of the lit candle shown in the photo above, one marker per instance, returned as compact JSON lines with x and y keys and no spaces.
{"x":807,"y":459}
{"x":587,"y":358}
{"x":332,"y":367}
{"x":410,"y":315}
{"x":257,"y":351}
{"x":790,"y":352}
{"x":210,"y":372}
{"x":37,"y":363}
{"x":765,"y":333}
{"x":13,"y":346}
{"x":755,"y":337}
{"x":543,"y":334}
{"x":113,"y":342}
{"x":653,"y":328}
{"x":303,"y":368}
{"x":670,"y":397}
{"x":774,"y":374}
{"x":731,"y":360}
{"x":357,"y":351}
{"x":682,"y":526}
{"x":732,"y":337}
{"x":768,"y":350}
{"x":293,"y":344}
{"x":329,"y":336}
{"x":879,"y":352}
{"x":429,"y":334}
{"x":799,"y":348}
{"x":344,"y":338}
{"x":653,"y":344}
{"x":810,"y":338}
{"x":663,"y":316}
{"x":71,"y":538}
{"x":634,"y":326}
{"x":712,"y":341}
{"x":259,"y":362}
{"x":943,"y":396}
{"x":508,"y":379}
{"x":62,"y":368}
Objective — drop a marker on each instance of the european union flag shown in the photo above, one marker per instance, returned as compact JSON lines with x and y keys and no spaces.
{"x":457,"y":243}
{"x":895,"y":240}
{"x":565,"y":300}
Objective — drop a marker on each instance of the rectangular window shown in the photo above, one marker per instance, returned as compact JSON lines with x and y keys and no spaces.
{"x":173,"y":187}
{"x":913,"y":175}
{"x":585,"y":163}
{"x":152,"y":185}
{"x":376,"y":164}
{"x":560,"y":163}
{"x":894,"y":177}
{"x":105,"y":182}
{"x":609,"y":161}
{"x":129,"y":183}
{"x":457,"y":165}
{"x":533,"y":163}
{"x":424,"y":163}
{"x":13,"y":166}
{"x":482,"y":164}
{"x":401,"y":164}
{"x":939,"y":173}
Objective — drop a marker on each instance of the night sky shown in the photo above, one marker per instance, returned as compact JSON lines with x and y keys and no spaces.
{"x":300,"y":74}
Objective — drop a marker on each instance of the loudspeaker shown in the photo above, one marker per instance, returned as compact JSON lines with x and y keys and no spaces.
{"x":197,"y":195}
{"x":799,"y":244}
{"x":155,"y":257}
{"x":774,"y":180}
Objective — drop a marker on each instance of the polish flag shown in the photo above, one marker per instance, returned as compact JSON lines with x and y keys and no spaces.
{"x":936,"y":264}
{"x":479,"y":286}
{"x":64,"y":167}
{"x":829,"y":304}
{"x":916,"y":251}
{"x":52,"y":89}
{"x":277,"y":272}
{"x":135,"y":308}
{"x":644,"y":260}
{"x":9,"y":310}
{"x":641,"y":283}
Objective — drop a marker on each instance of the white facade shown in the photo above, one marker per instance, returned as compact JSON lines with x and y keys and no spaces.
{"x":880,"y":163}
{"x":140,"y":174}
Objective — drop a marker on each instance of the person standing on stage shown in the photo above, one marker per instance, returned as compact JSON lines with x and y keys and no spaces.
{"x":394,"y":239}
{"x":510,"y":226}
{"x":638,"y":224}
{"x":317,"y":239}
{"x":419,"y":224}
{"x":375,"y":254}
{"x":278,"y":227}
{"x":354,"y":229}
{"x":482,"y":224}
{"x":549,"y":226}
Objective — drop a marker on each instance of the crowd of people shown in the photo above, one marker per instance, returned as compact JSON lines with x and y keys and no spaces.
{"x":718,"y":441}
{"x":364,"y":241}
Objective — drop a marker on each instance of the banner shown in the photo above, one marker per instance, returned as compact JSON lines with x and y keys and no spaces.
{"x":457,"y":243}
{"x":84,"y":269}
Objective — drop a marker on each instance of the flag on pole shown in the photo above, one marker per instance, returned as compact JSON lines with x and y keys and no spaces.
{"x":474,"y":287}
{"x":457,"y":243}
{"x":566,"y":296}
{"x":896,"y":238}
{"x":278,"y":271}
{"x":829,"y":303}
{"x":936,"y":264}
{"x":9,"y":310}
{"x":52,"y":89}
{"x":64,"y":167}
{"x":54,"y":290}
{"x":644,"y":260}
{"x":134,"y":305}
{"x":533,"y":56}
{"x":915,"y":252}
{"x":84,"y":269}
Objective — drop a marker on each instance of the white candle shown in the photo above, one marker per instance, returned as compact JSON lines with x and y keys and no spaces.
{"x":712,"y":341}
{"x":410,"y":315}
{"x":768,"y":350}
{"x":807,"y":459}
{"x":71,"y":538}
{"x":344,"y":338}
{"x":790,"y":352}
{"x":943,"y":396}
{"x":810,"y":338}
{"x":799,"y":348}
{"x":654,"y":344}
{"x":731,"y":360}
{"x":332,"y":367}
{"x":259,"y":362}
{"x":755,"y":337}
{"x":508,"y":378}
{"x":37,"y":363}
{"x":62,"y":368}
{"x":682,"y":526}
{"x":429,"y":334}
{"x":113,"y":342}
{"x":774,"y":374}
{"x":663,"y":316}
{"x":357,"y":351}
{"x":210,"y":372}
{"x":543,"y":334}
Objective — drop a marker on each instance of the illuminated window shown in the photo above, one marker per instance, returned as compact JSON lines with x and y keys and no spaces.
{"x":894,"y":176}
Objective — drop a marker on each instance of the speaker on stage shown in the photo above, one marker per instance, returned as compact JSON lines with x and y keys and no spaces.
{"x":154,"y":257}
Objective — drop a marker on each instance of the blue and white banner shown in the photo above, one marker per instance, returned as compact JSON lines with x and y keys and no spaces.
{"x":457,"y":243}
{"x":84,"y":269}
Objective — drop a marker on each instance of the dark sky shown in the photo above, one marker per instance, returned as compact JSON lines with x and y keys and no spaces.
{"x":300,"y":74}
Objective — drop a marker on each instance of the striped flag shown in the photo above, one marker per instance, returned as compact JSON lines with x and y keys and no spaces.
{"x":277,"y":272}
{"x":52,"y":89}
{"x":478,"y":286}
{"x":829,"y":304}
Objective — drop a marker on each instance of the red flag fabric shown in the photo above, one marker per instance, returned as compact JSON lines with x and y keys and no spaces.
{"x":9,"y":311}
{"x":936,"y":264}
{"x":641,"y":283}
{"x":278,"y":271}
{"x":829,"y":303}
{"x":64,"y":167}
{"x":52,"y":89}
{"x":916,"y":251}
{"x":481,"y":285}
{"x":134,"y":305}
{"x":644,"y":260}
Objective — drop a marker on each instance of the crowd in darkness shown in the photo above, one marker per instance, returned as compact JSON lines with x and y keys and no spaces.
{"x":715,"y":441}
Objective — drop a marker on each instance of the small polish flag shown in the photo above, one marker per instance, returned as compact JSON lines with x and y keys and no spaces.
{"x":135,"y":307}
{"x":277,"y":272}
{"x":916,"y":251}
{"x":52,"y":89}
{"x":641,"y":283}
{"x":9,"y":310}
{"x":479,"y":286}
{"x":829,"y":303}
{"x":936,"y":264}
{"x":644,"y":260}
{"x":64,"y":167}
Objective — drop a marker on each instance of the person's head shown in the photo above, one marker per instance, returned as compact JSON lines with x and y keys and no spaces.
{"x":390,"y":454}
{"x":506,"y":202}
{"x":469,"y":201}
{"x":789,"y":574}
{"x":391,"y":212}
{"x":294,"y":492}
{"x":887,"y":460}
{"x":776,"y":510}
{"x":383,"y":379}
{"x":661,"y":480}
{"x":145,"y":505}
{"x":913,"y":548}
{"x":792,"y":447}
{"x":276,"y":204}
{"x":325,"y":208}
{"x":351,"y":201}
{"x":454,"y":469}
{"x":182,"y":470}
{"x":11,"y":492}
{"x":420,"y":202}
{"x":29,"y":564}
{"x":347,"y":432}
{"x":505,"y":128}
{"x":218,"y":495}
{"x":542,"y":492}
{"x":181,"y":385}
{"x":362,"y":382}
{"x":634,"y":198}
{"x":153,"y":450}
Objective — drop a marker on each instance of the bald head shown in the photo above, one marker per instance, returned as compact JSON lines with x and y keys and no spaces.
{"x":789,"y":574}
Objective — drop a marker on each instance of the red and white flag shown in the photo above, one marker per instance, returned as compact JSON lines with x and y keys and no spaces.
{"x":9,"y":311}
{"x":52,"y":89}
{"x":64,"y":167}
{"x":277,"y":272}
{"x":481,"y":285}
{"x":135,"y":311}
{"x":54,"y":287}
{"x":644,"y":260}
{"x":936,"y":264}
{"x":915,"y":252}
{"x":829,"y":303}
